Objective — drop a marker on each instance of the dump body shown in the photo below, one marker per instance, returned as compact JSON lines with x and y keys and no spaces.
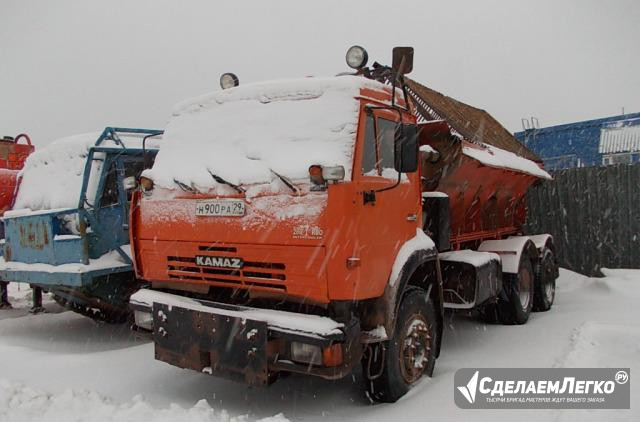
{"x":79,"y":253}
{"x":485,"y":185}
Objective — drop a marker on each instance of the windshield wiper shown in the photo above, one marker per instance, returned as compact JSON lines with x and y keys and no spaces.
{"x":286,"y":181}
{"x":185,"y":187}
{"x":219,"y":179}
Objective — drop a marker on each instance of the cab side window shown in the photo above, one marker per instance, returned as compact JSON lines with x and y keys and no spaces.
{"x":386,"y":133}
{"x":369,"y":155}
{"x":110,"y":190}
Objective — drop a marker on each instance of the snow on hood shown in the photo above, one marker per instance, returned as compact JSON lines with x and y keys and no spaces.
{"x":242,"y":134}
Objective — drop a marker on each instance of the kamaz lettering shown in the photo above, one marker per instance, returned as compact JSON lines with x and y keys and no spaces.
{"x":219,"y":262}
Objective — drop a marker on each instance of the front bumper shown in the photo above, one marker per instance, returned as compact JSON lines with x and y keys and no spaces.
{"x":245,"y":344}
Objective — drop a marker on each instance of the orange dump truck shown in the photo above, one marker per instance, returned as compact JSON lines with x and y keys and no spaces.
{"x":313,"y":225}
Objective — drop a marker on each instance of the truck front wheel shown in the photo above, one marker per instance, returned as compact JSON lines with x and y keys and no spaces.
{"x":410,"y":354}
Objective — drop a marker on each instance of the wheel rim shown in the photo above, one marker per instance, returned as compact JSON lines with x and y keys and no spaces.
{"x":549,"y":285}
{"x":524,"y":288}
{"x":415,"y":348}
{"x":549,"y":291}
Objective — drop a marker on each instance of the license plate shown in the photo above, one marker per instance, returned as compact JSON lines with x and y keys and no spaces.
{"x":220,"y":208}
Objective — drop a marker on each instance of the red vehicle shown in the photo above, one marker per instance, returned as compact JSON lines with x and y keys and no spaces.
{"x":12,"y":158}
{"x":312,"y":225}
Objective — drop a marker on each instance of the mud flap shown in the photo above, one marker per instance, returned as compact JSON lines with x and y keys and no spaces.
{"x":221,"y":345}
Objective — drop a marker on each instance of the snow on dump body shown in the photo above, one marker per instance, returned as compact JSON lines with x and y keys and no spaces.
{"x":52,"y":176}
{"x":492,"y":156}
{"x":243,"y":133}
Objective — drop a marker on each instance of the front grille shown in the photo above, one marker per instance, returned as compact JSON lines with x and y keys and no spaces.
{"x":269,"y":275}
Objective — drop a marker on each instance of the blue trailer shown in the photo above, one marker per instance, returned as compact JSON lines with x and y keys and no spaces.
{"x":81,"y":255}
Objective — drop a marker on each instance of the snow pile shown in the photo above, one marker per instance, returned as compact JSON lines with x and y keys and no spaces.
{"x":52,"y":176}
{"x":492,"y":156}
{"x":594,"y":322}
{"x":19,"y":403}
{"x":243,"y":134}
{"x":419,"y":242}
{"x":275,"y":319}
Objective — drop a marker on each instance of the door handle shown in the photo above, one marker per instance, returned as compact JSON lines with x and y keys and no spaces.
{"x":412,"y":217}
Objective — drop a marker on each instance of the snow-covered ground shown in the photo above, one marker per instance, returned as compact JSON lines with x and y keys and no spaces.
{"x":61,"y":366}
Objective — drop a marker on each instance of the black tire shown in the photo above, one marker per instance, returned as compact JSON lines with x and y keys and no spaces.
{"x":516,"y":301}
{"x":489,"y":312}
{"x":416,"y":327}
{"x":545,"y":281}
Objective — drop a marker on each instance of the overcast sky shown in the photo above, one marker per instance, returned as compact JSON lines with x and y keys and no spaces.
{"x":71,"y":66}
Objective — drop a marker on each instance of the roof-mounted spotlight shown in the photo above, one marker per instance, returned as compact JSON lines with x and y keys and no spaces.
{"x":357,"y":57}
{"x":229,"y":80}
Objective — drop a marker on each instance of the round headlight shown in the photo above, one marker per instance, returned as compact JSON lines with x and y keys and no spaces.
{"x":357,"y":57}
{"x":229,"y":80}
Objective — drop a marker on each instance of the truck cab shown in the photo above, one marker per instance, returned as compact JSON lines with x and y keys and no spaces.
{"x":79,"y":253}
{"x":281,"y":229}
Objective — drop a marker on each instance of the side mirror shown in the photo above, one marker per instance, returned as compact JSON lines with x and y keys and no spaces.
{"x":406,"y":148}
{"x":129,"y":183}
{"x":402,"y":60}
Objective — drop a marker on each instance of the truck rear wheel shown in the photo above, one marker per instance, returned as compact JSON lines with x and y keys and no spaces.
{"x":518,"y":291}
{"x":410,"y":354}
{"x":545,"y":282}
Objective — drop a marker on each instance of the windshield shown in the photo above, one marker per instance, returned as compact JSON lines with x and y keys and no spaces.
{"x":253,"y":133}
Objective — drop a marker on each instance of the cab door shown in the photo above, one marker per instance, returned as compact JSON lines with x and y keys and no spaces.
{"x":388,"y":212}
{"x":113,"y":202}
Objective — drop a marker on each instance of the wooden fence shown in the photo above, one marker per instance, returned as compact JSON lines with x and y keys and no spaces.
{"x":593,"y":214}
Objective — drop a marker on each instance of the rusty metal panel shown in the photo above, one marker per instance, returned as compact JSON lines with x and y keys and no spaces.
{"x":472,"y":123}
{"x":32,"y":239}
{"x":220,"y":345}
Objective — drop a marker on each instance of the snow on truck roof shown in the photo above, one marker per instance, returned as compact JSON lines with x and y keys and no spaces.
{"x":246,"y":133}
{"x":52,"y":175}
